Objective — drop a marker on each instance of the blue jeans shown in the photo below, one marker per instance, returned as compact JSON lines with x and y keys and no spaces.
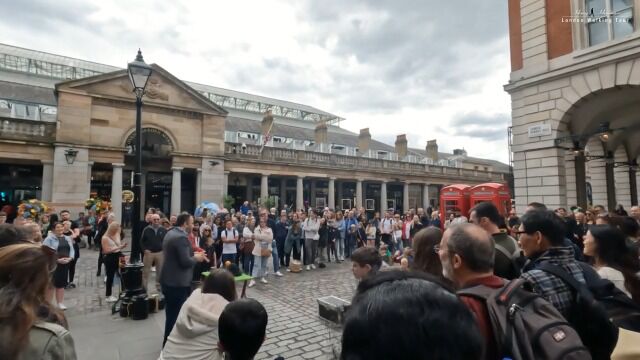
{"x":227,"y":257}
{"x":340,"y":248}
{"x":260,"y":268}
{"x":274,"y":255}
{"x":247,"y":263}
{"x":174,"y":298}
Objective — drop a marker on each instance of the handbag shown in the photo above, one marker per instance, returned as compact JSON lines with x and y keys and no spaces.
{"x":247,"y":247}
{"x":265,"y":252}
{"x":316,"y":236}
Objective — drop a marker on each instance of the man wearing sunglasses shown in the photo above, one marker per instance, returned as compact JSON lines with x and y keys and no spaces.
{"x":151,"y":244}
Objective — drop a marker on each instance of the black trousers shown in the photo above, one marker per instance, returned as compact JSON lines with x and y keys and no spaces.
{"x":386,"y":238}
{"x":280,"y":245}
{"x":174,"y":298}
{"x":111,"y":267}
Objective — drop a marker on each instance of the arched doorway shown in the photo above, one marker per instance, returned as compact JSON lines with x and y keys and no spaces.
{"x":157,"y":149}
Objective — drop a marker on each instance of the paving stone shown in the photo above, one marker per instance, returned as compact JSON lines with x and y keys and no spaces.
{"x":312,"y":355}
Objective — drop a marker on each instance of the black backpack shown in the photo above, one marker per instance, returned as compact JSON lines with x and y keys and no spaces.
{"x":588,"y":314}
{"x":526,"y":326}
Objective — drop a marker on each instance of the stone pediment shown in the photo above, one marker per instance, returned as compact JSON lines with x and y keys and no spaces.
{"x":162,"y":89}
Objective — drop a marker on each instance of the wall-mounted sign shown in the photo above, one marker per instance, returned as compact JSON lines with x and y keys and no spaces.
{"x":539,"y":130}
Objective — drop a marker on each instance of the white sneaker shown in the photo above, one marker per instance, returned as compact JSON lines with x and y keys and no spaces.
{"x":308,"y":267}
{"x":62,"y":307}
{"x":105,"y":280}
{"x":111,"y":299}
{"x":341,"y":258}
{"x":278,"y":273}
{"x":313,"y":266}
{"x":153,"y":269}
{"x":288,"y":270}
{"x":252,"y":283}
{"x":264,"y":281}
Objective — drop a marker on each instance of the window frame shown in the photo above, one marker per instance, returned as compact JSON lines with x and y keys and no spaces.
{"x":580,"y":30}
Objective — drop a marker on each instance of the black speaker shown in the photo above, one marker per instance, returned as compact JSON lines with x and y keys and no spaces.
{"x":132,"y":279}
{"x":125,"y":307}
{"x":140,"y":307}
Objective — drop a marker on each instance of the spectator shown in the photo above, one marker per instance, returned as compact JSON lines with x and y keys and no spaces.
{"x":542,"y":240}
{"x":195,"y":335}
{"x":292,"y":241}
{"x":24,"y":334}
{"x":63,"y":247}
{"x":229,"y":238}
{"x":416,"y":226}
{"x":613,"y":259}
{"x":151,"y":245}
{"x":111,"y":251}
{"x":242,"y":329}
{"x":365,"y":261}
{"x":513,"y":222}
{"x":310,"y":226}
{"x":263,"y":238}
{"x":393,"y":303}
{"x":508,"y":259}
{"x":467,"y":254}
{"x":426,"y":257}
{"x":634,"y":212}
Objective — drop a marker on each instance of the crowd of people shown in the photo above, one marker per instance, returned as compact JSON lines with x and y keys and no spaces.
{"x":414,"y":278}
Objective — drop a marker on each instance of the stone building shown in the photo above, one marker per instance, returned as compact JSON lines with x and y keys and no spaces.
{"x":575,"y":71}
{"x":67,"y":129}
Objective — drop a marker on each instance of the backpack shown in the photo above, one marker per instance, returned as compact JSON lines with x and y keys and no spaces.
{"x":515,"y":258}
{"x":588,"y":314}
{"x":526,"y":326}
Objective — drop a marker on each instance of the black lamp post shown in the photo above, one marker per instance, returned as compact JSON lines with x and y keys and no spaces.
{"x":139,"y":73}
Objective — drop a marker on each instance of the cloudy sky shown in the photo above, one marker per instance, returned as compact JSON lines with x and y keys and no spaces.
{"x":431,"y":69}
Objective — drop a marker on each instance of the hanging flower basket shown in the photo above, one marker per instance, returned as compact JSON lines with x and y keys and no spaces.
{"x":33,"y":209}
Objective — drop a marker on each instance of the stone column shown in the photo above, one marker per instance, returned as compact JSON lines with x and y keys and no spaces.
{"x":283,"y":193}
{"x":312,"y":193}
{"x":405,"y":197}
{"x":264,"y":187}
{"x":176,"y":190}
{"x":383,"y":198}
{"x":116,"y":191}
{"x":249,"y":180}
{"x":299,"y":193}
{"x":225,"y":184}
{"x":198,"y":186}
{"x":47,"y":180}
{"x":89,"y":165}
{"x":359,"y":193}
{"x":332,"y":193}
{"x":425,"y":197}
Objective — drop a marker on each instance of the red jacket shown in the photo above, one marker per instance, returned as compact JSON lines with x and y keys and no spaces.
{"x":479,"y":310}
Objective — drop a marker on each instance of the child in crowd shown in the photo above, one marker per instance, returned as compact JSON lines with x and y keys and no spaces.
{"x":365,"y":261}
{"x":242,"y":328}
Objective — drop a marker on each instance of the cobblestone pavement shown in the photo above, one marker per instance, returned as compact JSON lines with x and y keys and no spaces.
{"x":294,"y":331}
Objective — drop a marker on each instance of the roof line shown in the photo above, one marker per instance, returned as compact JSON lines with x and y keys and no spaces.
{"x":62,"y":56}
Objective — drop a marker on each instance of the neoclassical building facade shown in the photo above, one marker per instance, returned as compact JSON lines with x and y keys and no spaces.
{"x":65,"y":140}
{"x":574,"y":85}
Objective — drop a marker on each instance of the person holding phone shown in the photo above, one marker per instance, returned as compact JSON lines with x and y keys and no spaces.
{"x":63,"y":247}
{"x":111,"y":246}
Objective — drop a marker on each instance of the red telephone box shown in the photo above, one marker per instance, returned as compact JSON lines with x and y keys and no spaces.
{"x":496,"y":193}
{"x":454,"y":199}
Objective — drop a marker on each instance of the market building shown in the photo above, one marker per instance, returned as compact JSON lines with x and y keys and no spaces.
{"x":67,"y":129}
{"x":575,"y":71}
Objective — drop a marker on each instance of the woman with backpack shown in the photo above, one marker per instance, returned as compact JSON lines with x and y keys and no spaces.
{"x":613,"y":259}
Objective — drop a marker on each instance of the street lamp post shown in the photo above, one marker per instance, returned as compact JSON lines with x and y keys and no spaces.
{"x":139,"y":73}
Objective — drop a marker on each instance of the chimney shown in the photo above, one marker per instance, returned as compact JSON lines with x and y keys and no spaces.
{"x":401,"y":146}
{"x":432,"y":150}
{"x":364,"y":139}
{"x":320,"y":134}
{"x":267,"y":123}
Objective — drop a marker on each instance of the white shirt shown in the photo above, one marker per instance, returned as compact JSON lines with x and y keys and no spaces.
{"x":229,"y":248}
{"x":386,"y":225}
{"x":614,"y":276}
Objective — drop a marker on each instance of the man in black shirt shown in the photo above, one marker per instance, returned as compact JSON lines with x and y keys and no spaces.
{"x":151,"y":245}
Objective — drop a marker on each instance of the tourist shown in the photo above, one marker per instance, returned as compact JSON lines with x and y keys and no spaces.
{"x":177,"y":269}
{"x":365,"y":261}
{"x":45,"y":222}
{"x":280,"y":236}
{"x":467,"y":255}
{"x":542,"y":240}
{"x":425,"y":219}
{"x":30,"y":327}
{"x":229,"y":238}
{"x":242,"y":328}
{"x":508,"y":261}
{"x":63,"y":247}
{"x":292,"y":242}
{"x":350,"y":226}
{"x":406,"y":230}
{"x":247,"y":246}
{"x":396,"y":234}
{"x":75,"y":237}
{"x":613,"y":259}
{"x":333,"y":237}
{"x":101,"y":227}
{"x":263,"y":238}
{"x":371,"y":232}
{"x":111,"y":251}
{"x":416,"y":226}
{"x":195,"y":334}
{"x":435,"y":219}
{"x":512,"y":222}
{"x":151,"y":246}
{"x":393,"y":303}
{"x":425,"y":258}
{"x":386,"y":228}
{"x":310,"y":227}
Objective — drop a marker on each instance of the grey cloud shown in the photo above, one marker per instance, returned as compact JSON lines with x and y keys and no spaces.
{"x":492,"y":134}
{"x":46,"y":15}
{"x":481,"y":120}
{"x":479,"y":126}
